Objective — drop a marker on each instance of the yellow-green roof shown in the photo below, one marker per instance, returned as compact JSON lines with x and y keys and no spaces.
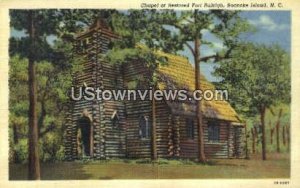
{"x":182,"y":74}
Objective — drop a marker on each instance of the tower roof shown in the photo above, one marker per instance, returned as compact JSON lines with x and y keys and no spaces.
{"x":99,"y":24}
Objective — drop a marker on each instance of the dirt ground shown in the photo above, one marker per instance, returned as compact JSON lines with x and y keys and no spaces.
{"x":277,"y":166}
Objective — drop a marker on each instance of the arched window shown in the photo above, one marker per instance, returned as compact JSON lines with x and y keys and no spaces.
{"x":115,"y":120}
{"x":144,"y":127}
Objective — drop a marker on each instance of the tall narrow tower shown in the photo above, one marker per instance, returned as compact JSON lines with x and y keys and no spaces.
{"x":90,"y":121}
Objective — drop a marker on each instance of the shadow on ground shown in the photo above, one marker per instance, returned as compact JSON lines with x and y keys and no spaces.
{"x":277,"y":166}
{"x":51,"y":171}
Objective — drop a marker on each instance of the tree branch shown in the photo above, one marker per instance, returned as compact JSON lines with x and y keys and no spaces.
{"x":48,"y":129}
{"x":216,"y":56}
{"x":186,"y":19}
{"x":190,"y":47}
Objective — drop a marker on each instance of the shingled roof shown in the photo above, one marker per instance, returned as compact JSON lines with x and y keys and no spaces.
{"x":178,"y":73}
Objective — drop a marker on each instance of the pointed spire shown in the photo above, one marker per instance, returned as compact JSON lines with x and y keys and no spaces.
{"x":99,"y":23}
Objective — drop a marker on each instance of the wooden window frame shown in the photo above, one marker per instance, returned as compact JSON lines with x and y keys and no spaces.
{"x":190,"y":128}
{"x":213,"y":129}
{"x":144,"y":127}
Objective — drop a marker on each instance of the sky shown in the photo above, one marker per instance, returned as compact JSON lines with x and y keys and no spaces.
{"x":272,"y":27}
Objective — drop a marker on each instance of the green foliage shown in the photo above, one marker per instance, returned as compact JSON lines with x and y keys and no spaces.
{"x":52,"y":147}
{"x":271,"y":120}
{"x":256,"y":76}
{"x":55,"y":66}
{"x":230,"y":26}
{"x":138,"y":43}
{"x":143,"y":161}
{"x":183,"y":27}
{"x":20,"y":151}
{"x":53,"y":85}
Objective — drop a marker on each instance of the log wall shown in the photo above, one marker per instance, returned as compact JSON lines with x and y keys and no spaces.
{"x":107,"y":141}
{"x":188,"y":146}
{"x":165,"y":135}
{"x":123,"y":140}
{"x":137,"y":147}
{"x":226,"y":147}
{"x":216,"y":149}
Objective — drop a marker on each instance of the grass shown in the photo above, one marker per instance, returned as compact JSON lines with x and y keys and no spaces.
{"x":277,"y":166}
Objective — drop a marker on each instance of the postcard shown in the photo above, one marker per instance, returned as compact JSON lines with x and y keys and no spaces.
{"x":149,"y":93}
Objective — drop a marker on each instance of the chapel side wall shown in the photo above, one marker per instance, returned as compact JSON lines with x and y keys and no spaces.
{"x":188,"y":146}
{"x":137,"y":147}
{"x":166,"y":135}
{"x":114,"y":136}
{"x":217,"y":149}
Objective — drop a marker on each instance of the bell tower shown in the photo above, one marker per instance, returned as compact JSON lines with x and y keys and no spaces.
{"x":89,"y":45}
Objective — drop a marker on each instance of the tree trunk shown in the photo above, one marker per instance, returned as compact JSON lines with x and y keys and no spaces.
{"x":277,"y":131}
{"x":288,"y":137}
{"x":253,"y":140}
{"x":201,"y":154}
{"x":277,"y":138}
{"x":246,"y":142}
{"x":33,"y":155}
{"x":154,"y":148}
{"x":283,"y":136}
{"x":272,"y":133}
{"x":263,"y":136}
{"x":15,"y":133}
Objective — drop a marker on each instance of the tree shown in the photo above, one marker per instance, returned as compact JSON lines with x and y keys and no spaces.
{"x":18,"y":105}
{"x":53,"y":84}
{"x":34,"y":165}
{"x":261,"y":75}
{"x":185,"y":30}
{"x":38,"y":25}
{"x":254,"y":136}
{"x":277,"y":128}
